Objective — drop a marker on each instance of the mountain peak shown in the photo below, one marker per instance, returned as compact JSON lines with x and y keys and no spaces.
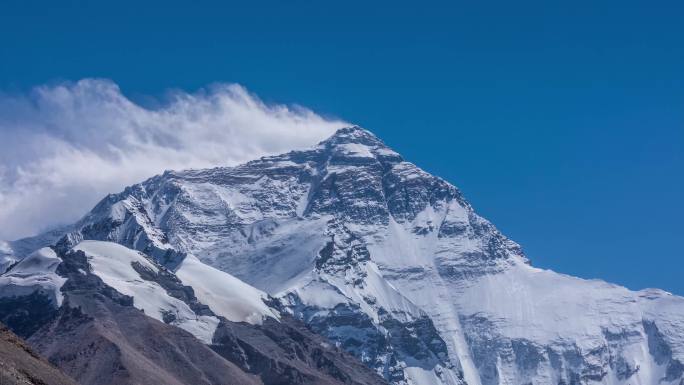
{"x":357,"y":142}
{"x":353,"y":134}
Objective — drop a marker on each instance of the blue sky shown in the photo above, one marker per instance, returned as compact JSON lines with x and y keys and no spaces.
{"x":562,"y":123}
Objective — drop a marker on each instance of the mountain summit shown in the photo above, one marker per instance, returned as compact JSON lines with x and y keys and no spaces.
{"x":387,"y":262}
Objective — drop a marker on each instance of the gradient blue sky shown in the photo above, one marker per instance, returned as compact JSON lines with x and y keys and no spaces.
{"x":562,"y":122}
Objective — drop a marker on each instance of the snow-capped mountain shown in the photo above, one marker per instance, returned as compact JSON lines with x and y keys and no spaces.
{"x":385,"y":260}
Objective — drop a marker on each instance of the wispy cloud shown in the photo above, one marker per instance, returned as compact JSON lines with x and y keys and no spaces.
{"x":63,"y":147}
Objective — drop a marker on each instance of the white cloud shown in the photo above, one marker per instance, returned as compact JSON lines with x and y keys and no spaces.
{"x":64,"y":147}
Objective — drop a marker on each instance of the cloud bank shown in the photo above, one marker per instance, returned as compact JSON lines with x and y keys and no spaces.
{"x":64,"y":147}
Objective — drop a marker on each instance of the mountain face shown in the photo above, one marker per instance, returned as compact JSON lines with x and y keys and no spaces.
{"x":374,"y":255}
{"x":20,"y":365}
{"x":106,"y":314}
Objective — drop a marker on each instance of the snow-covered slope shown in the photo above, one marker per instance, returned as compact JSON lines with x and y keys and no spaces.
{"x":226,"y":295}
{"x":124,"y":269}
{"x":392,"y":264}
{"x":120,"y":268}
{"x":35,"y":273}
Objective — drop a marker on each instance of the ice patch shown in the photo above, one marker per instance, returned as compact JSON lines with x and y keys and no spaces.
{"x":224,"y":294}
{"x":36,"y":272}
{"x":354,"y":150}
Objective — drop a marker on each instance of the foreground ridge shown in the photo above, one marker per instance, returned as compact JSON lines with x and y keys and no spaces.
{"x":20,"y":365}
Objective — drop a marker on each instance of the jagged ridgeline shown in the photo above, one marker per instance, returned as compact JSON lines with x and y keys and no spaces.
{"x":343,"y":263}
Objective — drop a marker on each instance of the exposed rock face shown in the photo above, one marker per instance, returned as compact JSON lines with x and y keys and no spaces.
{"x":286,"y":352}
{"x":109,"y":343}
{"x":26,"y":314}
{"x":20,"y":365}
{"x":391,"y":264}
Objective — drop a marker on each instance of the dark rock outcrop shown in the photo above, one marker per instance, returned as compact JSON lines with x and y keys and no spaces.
{"x":286,"y":352}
